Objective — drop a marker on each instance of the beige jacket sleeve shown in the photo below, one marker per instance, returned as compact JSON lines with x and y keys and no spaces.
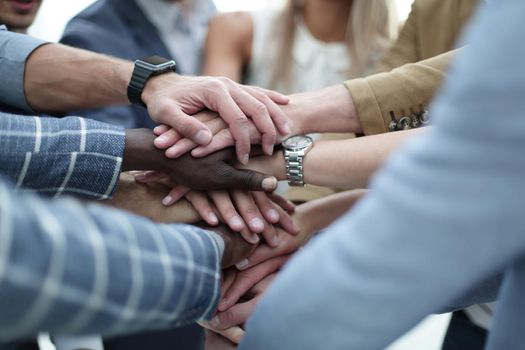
{"x":383,"y":99}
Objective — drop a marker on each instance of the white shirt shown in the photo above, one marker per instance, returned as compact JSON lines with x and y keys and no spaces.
{"x":316,"y":64}
{"x":182,"y":27}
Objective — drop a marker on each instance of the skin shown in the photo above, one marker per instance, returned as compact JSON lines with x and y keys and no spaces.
{"x":228,"y":48}
{"x":144,"y":200}
{"x":15,"y":19}
{"x":53,"y":83}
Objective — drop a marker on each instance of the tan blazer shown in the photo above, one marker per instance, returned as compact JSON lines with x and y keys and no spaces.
{"x":410,"y":74}
{"x":413,"y":68}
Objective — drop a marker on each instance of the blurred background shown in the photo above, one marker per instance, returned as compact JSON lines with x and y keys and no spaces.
{"x":54,"y":14}
{"x":49,"y":25}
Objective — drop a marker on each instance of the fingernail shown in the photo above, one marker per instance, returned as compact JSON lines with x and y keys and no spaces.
{"x":257,"y":224}
{"x":140,"y":177}
{"x":254,"y":239}
{"x":286,"y":128}
{"x":157,"y":129}
{"x":242,"y":264}
{"x":273,"y":215}
{"x":275,"y":241}
{"x":172,"y":151}
{"x":167,"y":200}
{"x":212,"y":218}
{"x":223,"y":304}
{"x":215,"y":322}
{"x":245,"y":159}
{"x":203,"y":137}
{"x":269,"y":150}
{"x":237,"y":222}
{"x":161,"y":138}
{"x":269,"y":184}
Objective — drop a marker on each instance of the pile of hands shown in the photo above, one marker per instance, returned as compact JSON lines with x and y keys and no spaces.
{"x":209,"y":153}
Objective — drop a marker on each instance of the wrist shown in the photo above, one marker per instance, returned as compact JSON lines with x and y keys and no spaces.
{"x":140,"y":153}
{"x":328,"y":110}
{"x":155,"y":84}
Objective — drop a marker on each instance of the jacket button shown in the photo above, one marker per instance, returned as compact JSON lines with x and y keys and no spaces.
{"x":424,"y":118}
{"x":405,"y":123}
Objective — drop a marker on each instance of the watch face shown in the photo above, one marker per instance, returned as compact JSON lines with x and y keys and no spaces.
{"x":297,"y":142}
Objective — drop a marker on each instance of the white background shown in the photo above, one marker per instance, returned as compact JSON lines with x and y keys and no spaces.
{"x":49,"y":25}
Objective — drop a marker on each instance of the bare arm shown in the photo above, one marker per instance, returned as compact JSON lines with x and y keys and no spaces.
{"x":228,"y":45}
{"x":59,"y":78}
{"x":342,"y":163}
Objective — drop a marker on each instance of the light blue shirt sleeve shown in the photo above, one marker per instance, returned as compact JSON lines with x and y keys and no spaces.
{"x":14,"y":50}
{"x":446,"y":212}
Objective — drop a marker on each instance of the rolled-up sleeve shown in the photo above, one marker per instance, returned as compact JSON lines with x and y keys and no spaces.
{"x":14,"y":50}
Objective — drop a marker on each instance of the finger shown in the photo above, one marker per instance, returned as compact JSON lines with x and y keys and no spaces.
{"x":262,"y":253}
{"x":266,"y":206}
{"x":247,"y":180}
{"x":249,"y":211}
{"x":201,"y":203}
{"x":175,"y":194}
{"x":274,"y":95}
{"x":160,"y":129}
{"x":286,"y":222}
{"x":236,"y":120}
{"x":167,"y":139}
{"x":224,"y":139}
{"x":224,"y":204}
{"x":185,"y":145}
{"x":169,"y":113}
{"x":276,"y":114}
{"x":155,"y":177}
{"x":228,"y":278}
{"x":259,"y":115}
{"x":283,"y":203}
{"x":233,"y":334}
{"x":234,"y":316}
{"x":247,"y":279}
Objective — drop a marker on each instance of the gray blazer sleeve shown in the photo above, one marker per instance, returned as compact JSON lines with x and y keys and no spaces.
{"x":14,"y":50}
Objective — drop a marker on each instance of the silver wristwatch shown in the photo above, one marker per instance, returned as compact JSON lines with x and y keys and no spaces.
{"x":295,"y":148}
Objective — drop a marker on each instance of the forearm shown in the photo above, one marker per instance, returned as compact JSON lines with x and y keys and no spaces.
{"x":134,"y":275}
{"x":59,"y":78}
{"x":318,"y":214}
{"x":328,"y":110}
{"x":343,"y":163}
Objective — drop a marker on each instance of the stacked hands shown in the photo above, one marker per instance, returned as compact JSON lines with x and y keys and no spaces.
{"x":205,"y":161}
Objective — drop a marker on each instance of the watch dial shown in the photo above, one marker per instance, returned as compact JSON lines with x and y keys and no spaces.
{"x":298,"y":142}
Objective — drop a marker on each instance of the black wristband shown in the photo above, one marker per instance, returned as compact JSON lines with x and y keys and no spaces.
{"x":143,"y":71}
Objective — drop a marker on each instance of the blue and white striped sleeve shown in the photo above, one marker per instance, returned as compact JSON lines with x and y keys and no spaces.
{"x":61,"y":156}
{"x":69,"y":268}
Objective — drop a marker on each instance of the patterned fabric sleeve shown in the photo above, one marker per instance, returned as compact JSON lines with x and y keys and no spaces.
{"x":67,"y":268}
{"x":61,"y":156}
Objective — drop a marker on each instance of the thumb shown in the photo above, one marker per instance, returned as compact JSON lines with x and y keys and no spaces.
{"x":169,"y":113}
{"x":249,"y":180}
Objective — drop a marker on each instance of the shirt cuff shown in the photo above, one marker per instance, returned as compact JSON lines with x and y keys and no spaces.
{"x":14,"y":51}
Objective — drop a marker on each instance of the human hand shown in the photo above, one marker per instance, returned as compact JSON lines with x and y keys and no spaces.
{"x":311,"y":217}
{"x":237,"y":283}
{"x":328,"y":110}
{"x":250,"y":213}
{"x":172,"y":99}
{"x":211,"y":173}
{"x":239,"y":313}
{"x":235,"y":247}
{"x":223,"y":340}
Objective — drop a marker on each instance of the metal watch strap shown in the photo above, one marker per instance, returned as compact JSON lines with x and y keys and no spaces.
{"x":294,"y":167}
